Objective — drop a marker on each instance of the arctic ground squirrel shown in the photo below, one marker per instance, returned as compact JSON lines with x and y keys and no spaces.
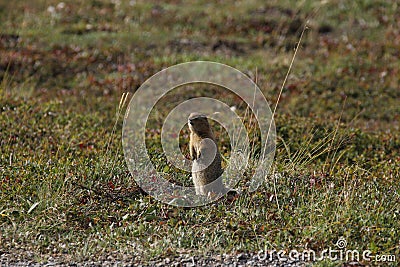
{"x":204,"y":152}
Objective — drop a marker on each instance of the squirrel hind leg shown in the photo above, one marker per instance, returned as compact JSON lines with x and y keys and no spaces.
{"x":199,"y":190}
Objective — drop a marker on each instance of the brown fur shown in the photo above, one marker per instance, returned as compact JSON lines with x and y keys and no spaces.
{"x":202,"y":147}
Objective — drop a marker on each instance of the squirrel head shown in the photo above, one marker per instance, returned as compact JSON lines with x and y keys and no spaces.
{"x":198,"y":124}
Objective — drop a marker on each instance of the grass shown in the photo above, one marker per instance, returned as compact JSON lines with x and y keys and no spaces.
{"x":65,"y":191}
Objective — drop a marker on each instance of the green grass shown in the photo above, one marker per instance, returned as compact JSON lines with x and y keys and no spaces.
{"x":66,"y":192}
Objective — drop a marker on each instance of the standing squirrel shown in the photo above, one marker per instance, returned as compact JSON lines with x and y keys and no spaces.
{"x":204,"y":153}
